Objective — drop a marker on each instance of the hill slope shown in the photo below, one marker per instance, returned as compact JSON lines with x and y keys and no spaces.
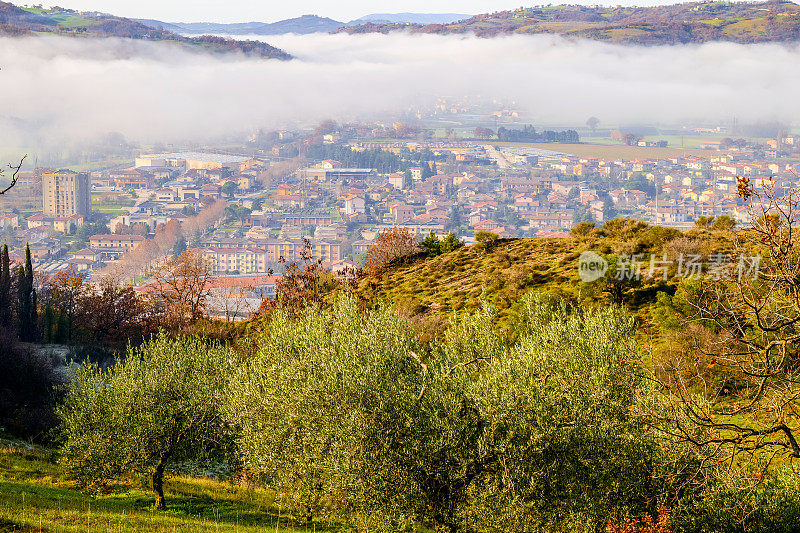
{"x":696,"y":22}
{"x":410,"y":18}
{"x":303,"y":25}
{"x":27,"y":21}
{"x":428,"y":290}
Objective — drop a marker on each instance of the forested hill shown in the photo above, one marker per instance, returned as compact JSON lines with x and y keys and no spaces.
{"x":696,"y":22}
{"x":16,"y":21}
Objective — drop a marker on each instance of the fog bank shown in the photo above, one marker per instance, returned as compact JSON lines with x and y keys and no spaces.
{"x":56,"y":88}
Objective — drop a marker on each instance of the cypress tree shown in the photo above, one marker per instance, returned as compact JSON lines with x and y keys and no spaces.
{"x":5,"y":289}
{"x":27,"y":300}
{"x":426,"y":170}
{"x":23,"y":304}
{"x":48,"y":322}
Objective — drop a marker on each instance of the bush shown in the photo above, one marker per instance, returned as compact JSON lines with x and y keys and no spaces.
{"x":486,"y":240}
{"x":157,"y":406}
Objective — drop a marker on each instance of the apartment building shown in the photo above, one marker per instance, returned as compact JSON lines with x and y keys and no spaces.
{"x":66,"y":193}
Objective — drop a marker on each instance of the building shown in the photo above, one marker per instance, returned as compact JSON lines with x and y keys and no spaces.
{"x":112,"y":247}
{"x":197,"y":161}
{"x":68,"y":224}
{"x":66,"y":193}
{"x":130,"y":179}
{"x":335,"y":174}
{"x":9,"y":221}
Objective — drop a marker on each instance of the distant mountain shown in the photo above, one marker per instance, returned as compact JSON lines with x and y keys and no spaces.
{"x":16,"y":21}
{"x":301,"y":25}
{"x":410,"y":18}
{"x":694,"y":22}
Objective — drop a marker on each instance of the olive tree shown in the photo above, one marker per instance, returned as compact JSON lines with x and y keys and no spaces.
{"x":158,"y":405}
{"x":348,"y":407}
{"x":560,"y":414}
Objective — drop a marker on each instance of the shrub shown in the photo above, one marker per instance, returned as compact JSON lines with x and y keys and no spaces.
{"x":486,"y":240}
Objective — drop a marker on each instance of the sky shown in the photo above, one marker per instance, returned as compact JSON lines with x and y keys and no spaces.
{"x":273,"y":10}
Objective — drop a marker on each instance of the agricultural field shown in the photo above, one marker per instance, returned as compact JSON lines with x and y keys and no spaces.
{"x":615,"y":151}
{"x":112,"y":203}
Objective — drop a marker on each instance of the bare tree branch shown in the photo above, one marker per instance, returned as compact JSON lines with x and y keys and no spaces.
{"x":14,"y":176}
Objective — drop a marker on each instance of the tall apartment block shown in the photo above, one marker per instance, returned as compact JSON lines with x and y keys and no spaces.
{"x":66,"y":193}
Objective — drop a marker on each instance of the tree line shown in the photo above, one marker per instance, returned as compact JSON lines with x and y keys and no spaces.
{"x":527,"y":134}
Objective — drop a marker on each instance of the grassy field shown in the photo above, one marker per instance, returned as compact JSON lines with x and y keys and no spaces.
{"x":101,"y":164}
{"x":615,"y":151}
{"x":36,"y":495}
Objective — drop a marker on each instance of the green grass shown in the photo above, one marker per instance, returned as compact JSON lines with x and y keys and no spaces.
{"x":36,"y":495}
{"x":114,"y":211}
{"x":102,"y":164}
{"x":71,"y":21}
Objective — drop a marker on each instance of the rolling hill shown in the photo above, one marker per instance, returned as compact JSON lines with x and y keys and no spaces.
{"x":430,"y":290}
{"x":18,"y":21}
{"x":410,"y":18}
{"x":303,"y":25}
{"x":695,"y":22}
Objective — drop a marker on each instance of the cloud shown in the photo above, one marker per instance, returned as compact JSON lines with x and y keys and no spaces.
{"x":57,"y":88}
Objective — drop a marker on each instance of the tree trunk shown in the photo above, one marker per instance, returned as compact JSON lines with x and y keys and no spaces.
{"x":158,"y":483}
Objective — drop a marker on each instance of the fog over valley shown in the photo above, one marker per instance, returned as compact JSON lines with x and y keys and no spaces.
{"x":56,"y":88}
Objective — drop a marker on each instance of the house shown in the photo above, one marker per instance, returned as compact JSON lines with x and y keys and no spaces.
{"x":38,"y":220}
{"x":9,"y":221}
{"x":400,"y":213}
{"x":84,"y":260}
{"x":399,"y":181}
{"x":112,"y":247}
{"x":211,"y":190}
{"x":68,"y":224}
{"x":354,"y":204}
{"x":132,"y":179}
{"x":489,"y":225}
{"x":329,"y":164}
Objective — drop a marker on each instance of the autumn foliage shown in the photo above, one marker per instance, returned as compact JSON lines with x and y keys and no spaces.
{"x":390,"y":245}
{"x":644,"y":525}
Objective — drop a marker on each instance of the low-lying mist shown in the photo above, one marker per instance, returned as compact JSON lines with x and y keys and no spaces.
{"x":54,"y":89}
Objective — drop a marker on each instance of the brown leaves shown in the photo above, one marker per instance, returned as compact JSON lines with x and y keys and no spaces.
{"x":643,"y":525}
{"x":743,"y":189}
{"x":391,"y":244}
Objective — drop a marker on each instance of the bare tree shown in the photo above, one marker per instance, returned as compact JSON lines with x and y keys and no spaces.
{"x":15,"y":176}
{"x":391,"y":244}
{"x":182,"y":287}
{"x":732,"y":394}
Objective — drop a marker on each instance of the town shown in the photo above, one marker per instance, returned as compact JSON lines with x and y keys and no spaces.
{"x":324,"y":195}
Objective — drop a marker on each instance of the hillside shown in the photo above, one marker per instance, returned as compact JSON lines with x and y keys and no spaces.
{"x":696,"y":22}
{"x":430,"y":290}
{"x":410,"y":18}
{"x":26,"y":21}
{"x":303,"y":25}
